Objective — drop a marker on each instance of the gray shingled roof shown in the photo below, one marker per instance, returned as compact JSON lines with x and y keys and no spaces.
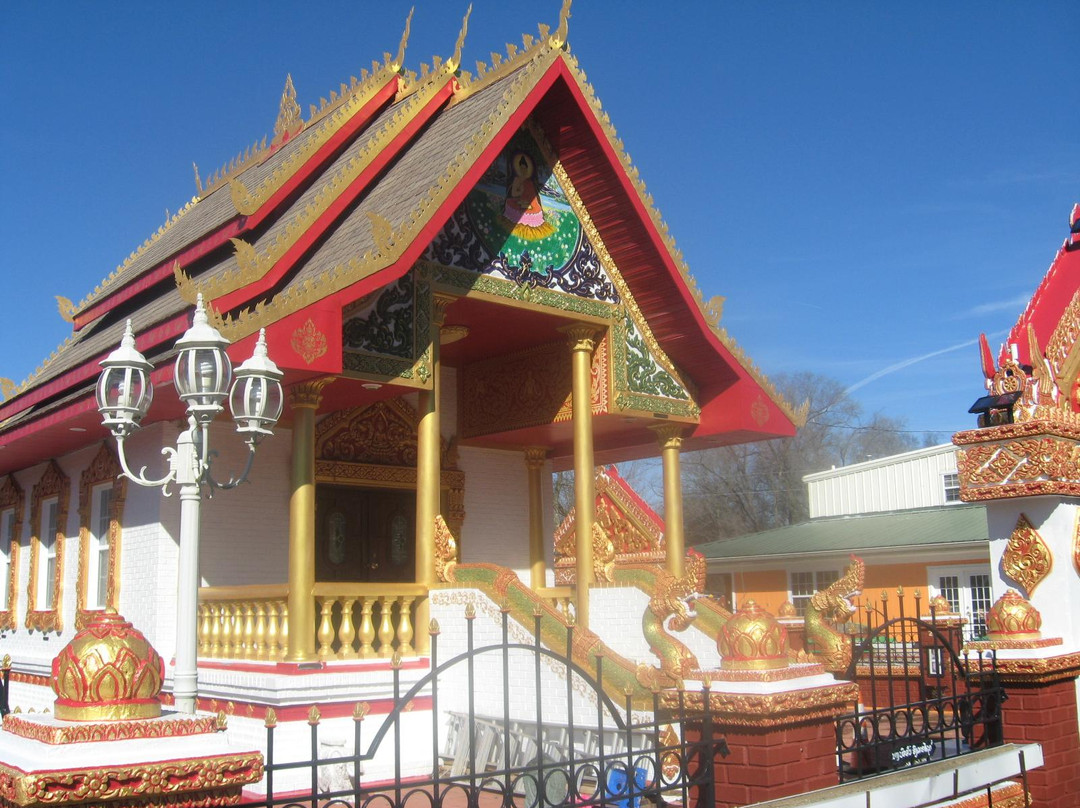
{"x":950,"y":524}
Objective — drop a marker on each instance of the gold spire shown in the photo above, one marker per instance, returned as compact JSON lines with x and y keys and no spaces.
{"x":289,"y":118}
{"x":399,"y":60}
{"x":454,"y":62}
{"x":558,"y":39}
{"x":66,"y":307}
{"x":198,"y":180}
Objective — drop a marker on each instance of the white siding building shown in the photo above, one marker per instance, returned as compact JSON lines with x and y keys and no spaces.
{"x":924,"y":478}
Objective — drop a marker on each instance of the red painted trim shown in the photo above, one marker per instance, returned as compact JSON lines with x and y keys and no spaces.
{"x":295,"y":669}
{"x":346,"y":198}
{"x":144,"y":342}
{"x":241,"y":224}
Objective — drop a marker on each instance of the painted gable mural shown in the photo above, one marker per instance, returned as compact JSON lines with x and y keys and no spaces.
{"x":517,"y":224}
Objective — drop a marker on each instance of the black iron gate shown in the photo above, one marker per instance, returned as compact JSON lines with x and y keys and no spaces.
{"x":616,"y":755}
{"x":922,"y":698}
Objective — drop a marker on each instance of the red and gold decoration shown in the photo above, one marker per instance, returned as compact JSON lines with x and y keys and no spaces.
{"x":939,"y":605}
{"x":308,"y":341}
{"x":787,"y":610}
{"x":107,"y":672}
{"x":1027,"y":559}
{"x":1012,"y":617}
{"x":1076,"y":544}
{"x":752,"y":640}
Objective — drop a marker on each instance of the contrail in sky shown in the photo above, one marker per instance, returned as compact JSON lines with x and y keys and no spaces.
{"x":914,"y":360}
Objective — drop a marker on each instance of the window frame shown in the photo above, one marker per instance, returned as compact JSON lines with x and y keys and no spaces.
{"x":104,"y":471}
{"x":947,"y":488}
{"x":12,"y":498}
{"x":53,"y":484}
{"x":800,"y":601}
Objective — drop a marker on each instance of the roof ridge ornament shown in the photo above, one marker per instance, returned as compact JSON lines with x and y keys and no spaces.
{"x":454,"y":62}
{"x":558,"y":39}
{"x":399,"y":60}
{"x":289,"y":119}
{"x":66,"y":307}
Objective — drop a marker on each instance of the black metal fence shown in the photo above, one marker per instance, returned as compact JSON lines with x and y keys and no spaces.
{"x":613,"y":756}
{"x":922,"y":698}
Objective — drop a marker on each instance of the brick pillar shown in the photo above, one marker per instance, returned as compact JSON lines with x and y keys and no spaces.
{"x":1045,"y":712}
{"x":780,"y":744}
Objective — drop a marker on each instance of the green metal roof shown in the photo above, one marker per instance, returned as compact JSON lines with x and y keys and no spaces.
{"x":950,"y":524}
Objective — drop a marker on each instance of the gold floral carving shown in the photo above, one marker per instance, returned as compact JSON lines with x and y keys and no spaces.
{"x":768,"y":709}
{"x":603,"y":555}
{"x":308,"y":394}
{"x":289,"y":120}
{"x":1030,"y":459}
{"x":446,"y":554}
{"x":11,"y":496}
{"x":76,"y":786}
{"x":1027,"y":559}
{"x":309,"y":342}
{"x":98,"y":731}
{"x":104,"y":468}
{"x":53,"y":483}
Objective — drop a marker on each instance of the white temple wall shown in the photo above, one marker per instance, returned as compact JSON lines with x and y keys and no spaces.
{"x":245,"y":531}
{"x":1055,"y":521}
{"x":496,"y":527}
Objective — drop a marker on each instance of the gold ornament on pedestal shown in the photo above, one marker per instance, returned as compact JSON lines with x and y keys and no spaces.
{"x":1013,"y":618}
{"x":940,"y":605}
{"x":752,"y":640}
{"x":787,"y":609}
{"x":108,"y":672}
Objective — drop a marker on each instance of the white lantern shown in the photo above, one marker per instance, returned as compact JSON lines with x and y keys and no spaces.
{"x":124,"y":391}
{"x":256,"y":400}
{"x":203,"y":371}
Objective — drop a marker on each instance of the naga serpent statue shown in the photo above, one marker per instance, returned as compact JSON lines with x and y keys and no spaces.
{"x":833,"y":605}
{"x":671,"y":599}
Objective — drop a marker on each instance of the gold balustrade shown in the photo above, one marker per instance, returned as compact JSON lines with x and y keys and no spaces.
{"x":352,"y":621}
{"x":366,"y":621}
{"x":561,"y":598}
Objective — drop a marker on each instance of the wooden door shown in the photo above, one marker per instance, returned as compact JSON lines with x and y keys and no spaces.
{"x":364,"y":534}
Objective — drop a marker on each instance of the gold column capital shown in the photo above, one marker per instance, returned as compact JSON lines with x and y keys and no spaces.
{"x":309,"y":393}
{"x":582,"y":336}
{"x":535,"y":457}
{"x":669,"y":436}
{"x":440,"y":302}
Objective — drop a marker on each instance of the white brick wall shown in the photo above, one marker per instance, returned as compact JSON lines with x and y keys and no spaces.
{"x":496,"y":526}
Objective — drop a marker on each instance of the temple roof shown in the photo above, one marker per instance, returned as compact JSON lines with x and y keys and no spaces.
{"x":344,"y":203}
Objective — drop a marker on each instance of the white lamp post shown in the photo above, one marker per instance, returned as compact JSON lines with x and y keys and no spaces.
{"x":202,"y":375}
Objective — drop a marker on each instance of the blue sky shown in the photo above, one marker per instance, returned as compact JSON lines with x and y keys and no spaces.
{"x":866,"y":184}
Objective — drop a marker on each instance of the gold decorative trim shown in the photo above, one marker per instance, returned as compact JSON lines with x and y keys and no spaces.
{"x":66,"y":308}
{"x":343,"y":275}
{"x":309,"y":342}
{"x":1027,"y":560}
{"x":147,"y":780}
{"x":11,"y":496}
{"x":1013,"y":645}
{"x":289,"y":120}
{"x":53,"y":483}
{"x":96,"y":732}
{"x":104,"y":468}
{"x":1039,"y":670}
{"x":764,"y":710}
{"x":309,"y":393}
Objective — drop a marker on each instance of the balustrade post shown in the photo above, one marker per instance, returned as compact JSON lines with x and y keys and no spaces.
{"x":346,"y":632}
{"x":272,"y":632}
{"x":249,"y":631}
{"x":204,"y":628}
{"x":386,"y":627}
{"x":215,"y":630}
{"x":405,"y":628}
{"x":367,"y":629}
{"x":260,"y":630}
{"x":283,"y":631}
{"x":326,"y":628}
{"x":226,"y":631}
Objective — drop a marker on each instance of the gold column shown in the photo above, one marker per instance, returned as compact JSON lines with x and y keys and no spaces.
{"x":583,"y":339}
{"x":304,"y":399}
{"x":670,"y":438}
{"x":429,"y":476}
{"x":535,"y":456}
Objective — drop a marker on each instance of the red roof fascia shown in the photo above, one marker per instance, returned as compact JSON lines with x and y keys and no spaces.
{"x":1046,"y":306}
{"x":242,"y":224}
{"x":319,"y":228}
{"x":89,"y":369}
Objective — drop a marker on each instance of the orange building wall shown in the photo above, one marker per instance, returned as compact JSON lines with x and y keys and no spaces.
{"x":769,"y":588}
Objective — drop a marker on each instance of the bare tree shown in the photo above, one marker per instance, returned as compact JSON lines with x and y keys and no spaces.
{"x":733,"y":490}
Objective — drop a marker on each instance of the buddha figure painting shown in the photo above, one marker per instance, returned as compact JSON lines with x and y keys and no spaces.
{"x":524,"y":210}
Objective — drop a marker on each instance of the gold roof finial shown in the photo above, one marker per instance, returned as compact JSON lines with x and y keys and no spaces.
{"x":66,"y":307}
{"x":454,"y":62}
{"x":7,"y":388}
{"x":399,"y":60}
{"x":198,"y":179}
{"x":289,"y":118}
{"x":558,"y":39}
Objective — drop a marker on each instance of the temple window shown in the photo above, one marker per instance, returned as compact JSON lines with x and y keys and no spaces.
{"x":11,"y":517}
{"x":805,"y":583}
{"x":101,"y":509}
{"x":48,"y":519}
{"x":7,"y":534}
{"x":951,"y":483}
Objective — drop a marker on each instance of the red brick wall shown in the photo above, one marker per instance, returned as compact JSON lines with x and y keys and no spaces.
{"x":1046,"y":714}
{"x":767,"y":764}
